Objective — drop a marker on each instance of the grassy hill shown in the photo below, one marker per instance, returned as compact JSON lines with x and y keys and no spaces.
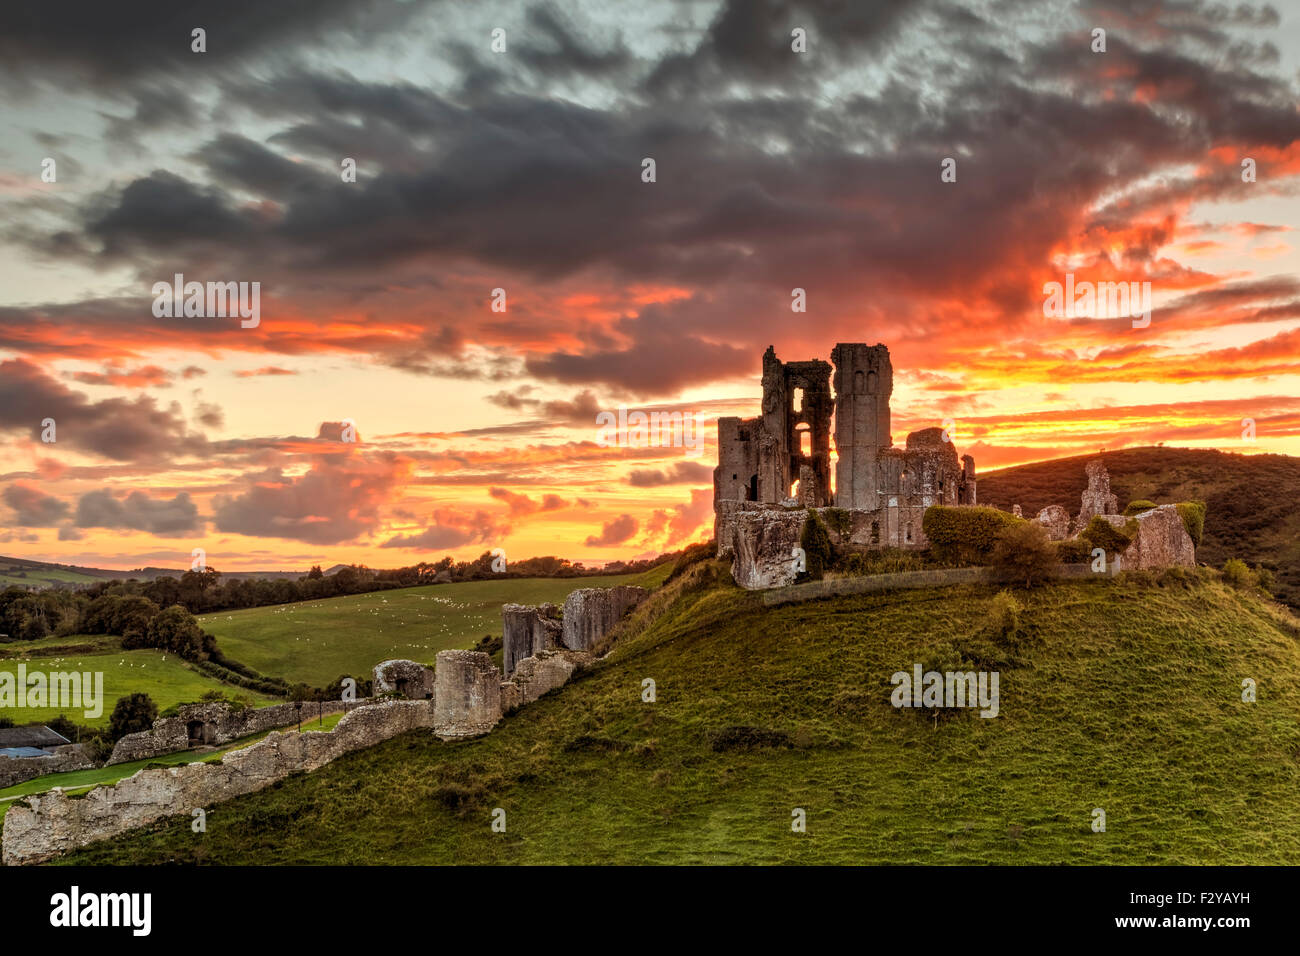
{"x":1122,"y":695}
{"x":317,"y":641}
{"x":1253,"y":500}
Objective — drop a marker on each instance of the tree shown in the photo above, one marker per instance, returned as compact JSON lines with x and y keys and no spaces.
{"x":132,"y":714}
{"x":1024,"y":554}
{"x":176,"y":630}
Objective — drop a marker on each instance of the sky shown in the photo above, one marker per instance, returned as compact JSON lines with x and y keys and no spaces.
{"x":502,"y":146}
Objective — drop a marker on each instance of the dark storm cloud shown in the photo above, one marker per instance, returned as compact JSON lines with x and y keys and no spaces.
{"x":101,"y":43}
{"x":113,"y":428}
{"x":756,"y":193}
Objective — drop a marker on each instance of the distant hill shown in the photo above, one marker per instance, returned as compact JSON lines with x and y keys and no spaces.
{"x":1253,"y":501}
{"x":24,"y":572}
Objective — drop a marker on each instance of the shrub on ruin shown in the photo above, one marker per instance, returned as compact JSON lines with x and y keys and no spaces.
{"x":1025,"y":555}
{"x":965,"y":535}
{"x":839,"y":521}
{"x":1073,"y":551}
{"x":1193,"y":515}
{"x":132,"y":714}
{"x":1137,"y":507}
{"x":1100,"y":533}
{"x":816,"y":544}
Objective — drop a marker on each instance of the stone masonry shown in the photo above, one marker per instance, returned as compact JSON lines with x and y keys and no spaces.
{"x":1162,"y":540}
{"x":527,"y":630}
{"x":782,"y":458}
{"x":407,"y":678}
{"x":212,"y":724}
{"x":1097,"y":497}
{"x":467,"y":695}
{"x":591,"y":613}
{"x":15,"y":770}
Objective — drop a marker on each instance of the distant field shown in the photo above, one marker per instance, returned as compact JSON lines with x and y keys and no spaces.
{"x":164,"y":677}
{"x":32,"y":574}
{"x":317,"y":641}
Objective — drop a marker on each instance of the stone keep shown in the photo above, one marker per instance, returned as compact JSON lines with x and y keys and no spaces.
{"x":885,"y":489}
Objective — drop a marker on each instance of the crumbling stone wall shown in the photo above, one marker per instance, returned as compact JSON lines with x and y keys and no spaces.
{"x":763,"y":547}
{"x":591,"y":613}
{"x":467,"y":695}
{"x":1162,"y":540}
{"x":412,"y":680}
{"x":41,"y":827}
{"x":1056,"y":521}
{"x":527,"y":630}
{"x":540,"y":675}
{"x":220,"y":723}
{"x":15,"y":770}
{"x":469,"y":699}
{"x":1097,"y":498}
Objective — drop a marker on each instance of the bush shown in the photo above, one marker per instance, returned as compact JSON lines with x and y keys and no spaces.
{"x":132,"y":714}
{"x":1100,"y":533}
{"x":175,"y":629}
{"x":1193,"y":515}
{"x":1137,"y":507}
{"x":1025,"y":555}
{"x":965,"y":535}
{"x":1073,"y":551}
{"x":886,"y":561}
{"x":1236,"y":573}
{"x":839,"y":521}
{"x":1265,"y":578}
{"x":816,"y":544}
{"x":1004,"y":614}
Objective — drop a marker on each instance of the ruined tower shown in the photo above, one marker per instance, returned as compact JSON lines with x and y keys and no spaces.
{"x":864,"y":380}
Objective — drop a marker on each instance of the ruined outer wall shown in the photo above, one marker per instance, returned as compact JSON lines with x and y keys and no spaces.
{"x":41,"y":827}
{"x":15,"y":770}
{"x":527,"y":630}
{"x":169,"y":734}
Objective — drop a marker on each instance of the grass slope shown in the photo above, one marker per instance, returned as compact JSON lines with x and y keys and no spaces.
{"x":1251,"y":499}
{"x":1124,"y":696}
{"x":163,"y":676}
{"x":317,"y":641}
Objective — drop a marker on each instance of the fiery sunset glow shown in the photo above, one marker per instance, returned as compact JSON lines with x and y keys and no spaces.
{"x":522,"y":171}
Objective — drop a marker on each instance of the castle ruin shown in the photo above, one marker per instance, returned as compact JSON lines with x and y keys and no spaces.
{"x":781,"y":459}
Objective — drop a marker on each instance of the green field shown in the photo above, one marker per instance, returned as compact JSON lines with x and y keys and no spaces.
{"x":1122,"y":695}
{"x":317,"y":641}
{"x":163,"y":676}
